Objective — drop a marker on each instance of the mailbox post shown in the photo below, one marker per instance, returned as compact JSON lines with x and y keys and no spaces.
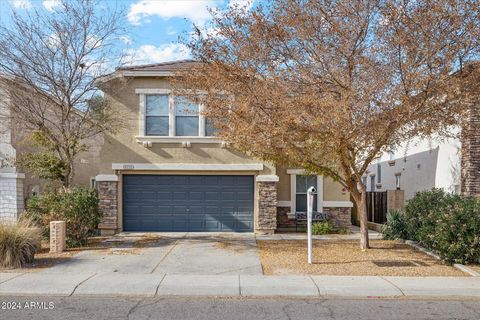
{"x":310,"y":198}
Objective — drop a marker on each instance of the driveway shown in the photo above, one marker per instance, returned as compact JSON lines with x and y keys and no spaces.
{"x":169,"y":253}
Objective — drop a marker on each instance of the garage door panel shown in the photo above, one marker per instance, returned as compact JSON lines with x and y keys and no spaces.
{"x":187,"y":203}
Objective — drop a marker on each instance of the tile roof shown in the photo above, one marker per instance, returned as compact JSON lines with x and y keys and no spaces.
{"x":163,"y":66}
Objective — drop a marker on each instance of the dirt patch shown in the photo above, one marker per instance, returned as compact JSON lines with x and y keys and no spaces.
{"x":333,"y":257}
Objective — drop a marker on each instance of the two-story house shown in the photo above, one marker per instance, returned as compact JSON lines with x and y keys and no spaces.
{"x":168,"y":172}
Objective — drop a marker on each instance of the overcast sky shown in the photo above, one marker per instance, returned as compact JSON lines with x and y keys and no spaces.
{"x":155,"y":25}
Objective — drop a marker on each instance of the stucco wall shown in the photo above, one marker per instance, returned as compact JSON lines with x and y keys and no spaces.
{"x":420,"y":171}
{"x":123,"y":148}
{"x":332,"y":191}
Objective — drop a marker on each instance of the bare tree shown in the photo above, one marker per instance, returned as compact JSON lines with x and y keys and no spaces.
{"x":51,"y":61}
{"x":331,"y":85}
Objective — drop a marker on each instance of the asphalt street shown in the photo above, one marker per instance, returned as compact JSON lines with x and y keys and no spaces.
{"x":91,"y":308}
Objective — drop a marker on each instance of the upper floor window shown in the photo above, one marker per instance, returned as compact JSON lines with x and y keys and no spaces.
{"x":156,"y":115}
{"x":186,"y":117}
{"x":379,"y":173}
{"x":166,"y":115}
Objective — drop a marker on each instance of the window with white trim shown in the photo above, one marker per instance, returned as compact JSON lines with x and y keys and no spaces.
{"x":156,"y":114}
{"x":166,"y":115}
{"x":303,"y":183}
{"x":186,"y":118}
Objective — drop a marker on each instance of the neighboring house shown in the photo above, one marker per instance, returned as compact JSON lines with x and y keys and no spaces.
{"x":417,"y":166}
{"x":168,"y":172}
{"x":15,"y":184}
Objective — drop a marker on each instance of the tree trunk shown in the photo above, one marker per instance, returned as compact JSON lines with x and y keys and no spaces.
{"x":68,"y":174}
{"x":362,"y":217}
{"x":358,"y":192}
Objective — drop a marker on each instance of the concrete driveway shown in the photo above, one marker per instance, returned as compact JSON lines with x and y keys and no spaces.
{"x":169,"y":253}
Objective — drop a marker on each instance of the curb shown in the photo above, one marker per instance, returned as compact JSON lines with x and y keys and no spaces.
{"x":466,"y":269}
{"x":458,"y":266}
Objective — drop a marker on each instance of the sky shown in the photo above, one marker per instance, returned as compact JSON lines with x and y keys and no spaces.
{"x":155,"y":24}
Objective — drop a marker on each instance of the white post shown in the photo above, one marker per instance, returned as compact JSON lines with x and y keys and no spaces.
{"x":310,"y":198}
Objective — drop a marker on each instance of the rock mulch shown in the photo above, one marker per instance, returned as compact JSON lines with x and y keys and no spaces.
{"x":344,"y":257}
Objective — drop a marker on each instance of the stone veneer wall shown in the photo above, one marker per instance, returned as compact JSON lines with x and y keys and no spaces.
{"x":108,"y":204}
{"x":341,"y":216}
{"x":470,"y":158}
{"x":11,"y":196}
{"x":267,"y":207}
{"x":283,"y":221}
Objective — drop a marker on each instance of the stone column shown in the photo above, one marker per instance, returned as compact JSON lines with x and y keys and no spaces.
{"x":267,"y":204}
{"x":470,"y":158}
{"x":107,"y":186}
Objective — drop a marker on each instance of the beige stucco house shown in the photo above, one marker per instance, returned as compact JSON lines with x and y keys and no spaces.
{"x":168,"y":172}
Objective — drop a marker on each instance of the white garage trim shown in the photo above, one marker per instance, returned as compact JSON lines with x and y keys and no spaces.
{"x":187,"y":167}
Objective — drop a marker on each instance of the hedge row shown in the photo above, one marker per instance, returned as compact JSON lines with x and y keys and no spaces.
{"x":445,"y":223}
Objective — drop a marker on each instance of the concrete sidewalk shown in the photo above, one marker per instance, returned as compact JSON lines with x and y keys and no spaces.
{"x":115,"y":284}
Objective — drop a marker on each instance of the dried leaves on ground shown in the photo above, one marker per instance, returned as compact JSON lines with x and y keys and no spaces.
{"x":385,"y":258}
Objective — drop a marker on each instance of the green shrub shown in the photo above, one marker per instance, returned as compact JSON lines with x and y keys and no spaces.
{"x":324,"y":227}
{"x":396,"y":226}
{"x":78,"y":207}
{"x":18,"y":244}
{"x":445,"y":223}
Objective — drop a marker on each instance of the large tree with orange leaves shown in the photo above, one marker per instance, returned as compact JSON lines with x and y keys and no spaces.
{"x":330,"y":85}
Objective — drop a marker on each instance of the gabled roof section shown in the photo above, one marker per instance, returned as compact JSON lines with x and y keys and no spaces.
{"x":170,"y":66}
{"x":163,"y":69}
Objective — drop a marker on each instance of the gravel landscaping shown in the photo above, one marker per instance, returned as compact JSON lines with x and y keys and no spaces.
{"x":332,"y":257}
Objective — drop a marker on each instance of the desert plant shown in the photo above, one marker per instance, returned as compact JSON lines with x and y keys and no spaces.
{"x":78,"y":207}
{"x":396,"y":226}
{"x":18,"y":243}
{"x":323,"y":227}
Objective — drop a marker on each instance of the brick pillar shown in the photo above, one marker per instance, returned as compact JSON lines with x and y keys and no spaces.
{"x":267,"y":206}
{"x":470,"y":158}
{"x":108,"y":203}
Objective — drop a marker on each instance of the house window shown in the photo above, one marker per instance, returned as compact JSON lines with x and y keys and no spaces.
{"x":186,"y":117}
{"x":209,"y":129}
{"x":168,"y":116}
{"x":397,"y":181}
{"x":303,"y":183}
{"x":157,"y":113}
{"x":379,"y":173}
{"x":372,"y":183}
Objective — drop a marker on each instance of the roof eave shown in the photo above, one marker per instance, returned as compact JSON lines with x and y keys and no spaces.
{"x":143,"y":73}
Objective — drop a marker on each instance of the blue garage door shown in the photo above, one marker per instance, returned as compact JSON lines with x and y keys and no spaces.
{"x":187,"y":203}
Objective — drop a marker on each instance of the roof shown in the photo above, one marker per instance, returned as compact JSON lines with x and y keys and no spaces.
{"x":163,"y":69}
{"x":169,"y":66}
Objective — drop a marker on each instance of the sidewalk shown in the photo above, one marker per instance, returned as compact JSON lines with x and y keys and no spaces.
{"x":118,"y":284}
